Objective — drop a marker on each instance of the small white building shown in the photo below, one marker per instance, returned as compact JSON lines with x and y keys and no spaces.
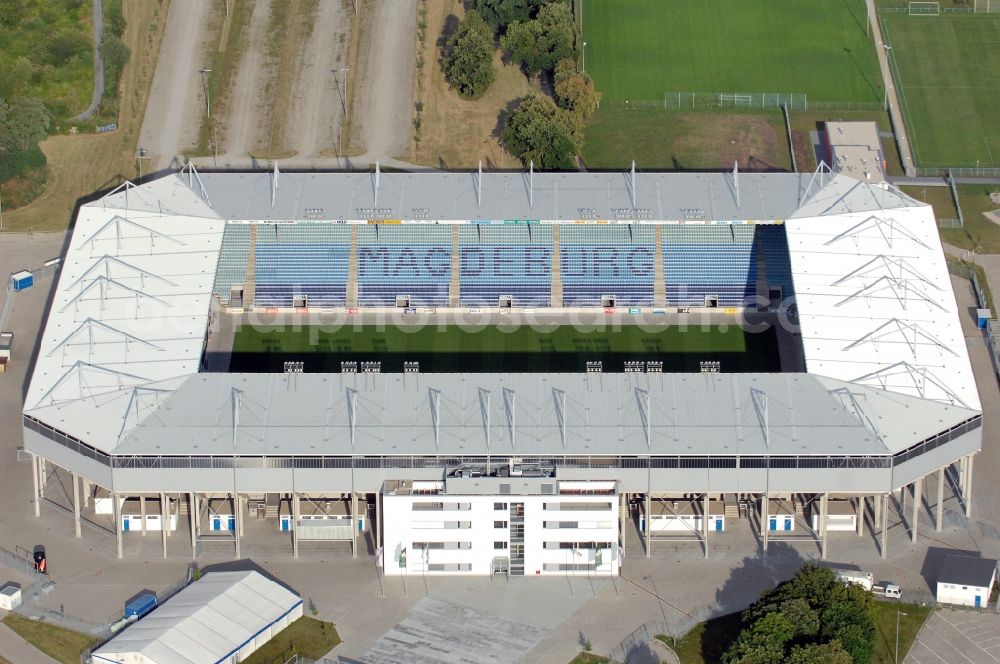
{"x":220,"y":619}
{"x":840,"y":515}
{"x":966,"y":581}
{"x":533,"y":526}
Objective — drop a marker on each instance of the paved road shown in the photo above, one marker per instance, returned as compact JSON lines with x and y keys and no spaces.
{"x":95,"y":99}
{"x":895,"y":112}
{"x":19,"y":651}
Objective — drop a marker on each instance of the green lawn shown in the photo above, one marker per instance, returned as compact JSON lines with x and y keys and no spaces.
{"x":672,"y":140}
{"x":588,"y":658}
{"x":497,"y":349}
{"x":306,"y":636}
{"x":885,"y":624}
{"x":948,"y":71}
{"x":640,"y":49}
{"x":62,"y":645}
{"x":707,"y":641}
{"x":939,"y":198}
{"x":979,"y":233}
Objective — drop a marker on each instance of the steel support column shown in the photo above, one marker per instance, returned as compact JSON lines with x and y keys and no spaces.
{"x":884,"y":499}
{"x":916,"y":509}
{"x":238,"y":525}
{"x":295,"y":525}
{"x":193,"y":514}
{"x":34,"y":485}
{"x":117,"y":511}
{"x":860,"y":516}
{"x":823,"y":511}
{"x":939,"y":508}
{"x":968,"y":484}
{"x":76,"y":503}
{"x":86,"y":492}
{"x":764,"y":533}
{"x":164,"y":521}
{"x":704,"y":523}
{"x":354,"y":525}
{"x":649,"y":511}
{"x":142,"y":513}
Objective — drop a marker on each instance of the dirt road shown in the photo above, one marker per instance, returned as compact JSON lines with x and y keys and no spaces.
{"x":175,"y":100}
{"x":97,"y":15}
{"x":383,"y":104}
{"x":315,"y":111}
{"x":242,"y":125}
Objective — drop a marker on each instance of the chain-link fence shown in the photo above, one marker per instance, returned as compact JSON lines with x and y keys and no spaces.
{"x":714,"y":101}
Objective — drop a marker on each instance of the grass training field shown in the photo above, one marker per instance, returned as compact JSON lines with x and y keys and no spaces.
{"x":640,"y":49}
{"x":672,"y":140}
{"x":489,"y":349}
{"x":947,"y":69}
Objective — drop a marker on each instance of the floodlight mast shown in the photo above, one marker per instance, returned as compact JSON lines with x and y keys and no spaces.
{"x":208,"y":96}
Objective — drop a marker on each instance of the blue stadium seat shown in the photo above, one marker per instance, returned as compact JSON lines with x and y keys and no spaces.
{"x":709,"y":260}
{"x":506,"y":260}
{"x":413,"y":260}
{"x":304,"y":260}
{"x":602,"y":260}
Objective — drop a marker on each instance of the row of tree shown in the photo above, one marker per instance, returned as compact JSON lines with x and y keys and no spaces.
{"x":814,"y":618}
{"x":24,"y":123}
{"x":540,"y":36}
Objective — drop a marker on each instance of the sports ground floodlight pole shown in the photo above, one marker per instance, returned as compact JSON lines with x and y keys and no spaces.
{"x":343,"y":106}
{"x":208,"y":99}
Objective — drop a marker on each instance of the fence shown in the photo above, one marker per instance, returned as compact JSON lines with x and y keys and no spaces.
{"x":986,"y":172}
{"x":713,"y":101}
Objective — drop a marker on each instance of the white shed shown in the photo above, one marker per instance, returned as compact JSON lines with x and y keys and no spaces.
{"x":966,"y":581}
{"x":220,"y":619}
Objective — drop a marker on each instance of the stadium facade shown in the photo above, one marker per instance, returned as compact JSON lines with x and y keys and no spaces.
{"x":521,"y":473}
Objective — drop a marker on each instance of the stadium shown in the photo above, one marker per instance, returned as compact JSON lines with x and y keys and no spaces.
{"x":494,"y":372}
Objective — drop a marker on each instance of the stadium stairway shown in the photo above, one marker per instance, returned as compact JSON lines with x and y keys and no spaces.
{"x":557,"y":288}
{"x":659,"y":285}
{"x":351,"y":293}
{"x":455,"y":286}
{"x":762,"y":280}
{"x":250,"y":283}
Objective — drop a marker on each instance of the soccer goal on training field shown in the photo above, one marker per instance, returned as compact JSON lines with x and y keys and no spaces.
{"x":735,"y":99}
{"x":924,"y":8}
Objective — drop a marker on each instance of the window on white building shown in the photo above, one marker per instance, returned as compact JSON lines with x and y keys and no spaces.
{"x":499,"y":524}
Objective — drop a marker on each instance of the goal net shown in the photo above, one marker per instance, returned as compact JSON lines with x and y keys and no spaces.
{"x":735,"y":99}
{"x":924,"y":8}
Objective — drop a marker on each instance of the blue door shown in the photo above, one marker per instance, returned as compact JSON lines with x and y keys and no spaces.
{"x":979,"y":601}
{"x":773,"y":525}
{"x":125,"y":523}
{"x":788,"y":523}
{"x":718,"y":524}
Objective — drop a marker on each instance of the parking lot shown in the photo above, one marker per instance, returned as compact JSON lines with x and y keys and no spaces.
{"x":951,"y":635}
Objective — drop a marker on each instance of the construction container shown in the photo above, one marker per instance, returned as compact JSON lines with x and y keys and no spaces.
{"x":22,"y":280}
{"x":139,"y":606}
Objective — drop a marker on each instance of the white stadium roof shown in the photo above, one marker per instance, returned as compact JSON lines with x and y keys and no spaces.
{"x":206,"y":622}
{"x":129,"y":316}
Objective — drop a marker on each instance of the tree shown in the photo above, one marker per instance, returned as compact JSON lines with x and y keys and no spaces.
{"x":540,"y":131}
{"x":116,"y":55}
{"x":65,"y":44}
{"x":468,"y":62}
{"x":830,"y":621}
{"x":574,"y":89}
{"x":24,"y":124}
{"x":824,"y":653}
{"x":501,"y":13}
{"x":540,"y":43}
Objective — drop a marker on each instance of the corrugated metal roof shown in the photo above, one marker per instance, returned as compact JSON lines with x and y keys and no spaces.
{"x":529,"y":414}
{"x":554,"y":196}
{"x":204,"y":622}
{"x":967,"y":571}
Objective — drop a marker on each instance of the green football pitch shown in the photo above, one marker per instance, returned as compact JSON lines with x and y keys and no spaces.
{"x":641,"y":49}
{"x":948,"y":72}
{"x":525,"y":349}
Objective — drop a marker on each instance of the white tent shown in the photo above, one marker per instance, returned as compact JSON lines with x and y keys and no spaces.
{"x":220,"y":619}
